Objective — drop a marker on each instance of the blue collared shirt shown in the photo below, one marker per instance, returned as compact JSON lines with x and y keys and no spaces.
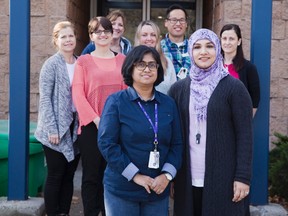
{"x":125,"y":139}
{"x":124,"y":44}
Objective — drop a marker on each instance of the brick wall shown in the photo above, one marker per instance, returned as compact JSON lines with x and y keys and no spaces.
{"x":4,"y":58}
{"x":44,"y":15}
{"x":279,"y":68}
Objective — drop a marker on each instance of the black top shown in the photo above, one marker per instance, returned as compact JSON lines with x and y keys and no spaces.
{"x":249,"y":76}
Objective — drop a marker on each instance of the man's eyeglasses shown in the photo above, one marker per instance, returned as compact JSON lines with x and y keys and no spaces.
{"x":173,"y":21}
{"x":99,"y":32}
{"x":142,"y":65}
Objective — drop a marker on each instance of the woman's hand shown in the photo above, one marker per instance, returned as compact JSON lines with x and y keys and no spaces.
{"x":54,"y":139}
{"x":160,"y":183}
{"x":241,"y":190}
{"x":144,"y":181}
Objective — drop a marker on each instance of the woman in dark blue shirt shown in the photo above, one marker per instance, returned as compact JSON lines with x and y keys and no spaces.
{"x":140,"y":138}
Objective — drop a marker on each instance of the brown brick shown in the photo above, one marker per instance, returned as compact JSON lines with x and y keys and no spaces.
{"x":4,"y":9}
{"x":34,"y":100}
{"x":4,"y":102}
{"x":278,"y":29}
{"x":274,"y":87}
{"x":277,"y":10}
{"x":283,"y":88}
{"x":276,"y":107}
{"x":278,"y":124}
{"x":40,"y":26}
{"x":4,"y":63}
{"x":284,"y":10}
{"x":4,"y":24}
{"x":38,"y":8}
{"x":232,"y":10}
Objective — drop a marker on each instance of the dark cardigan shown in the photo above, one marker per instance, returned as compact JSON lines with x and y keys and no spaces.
{"x":228,"y":148}
{"x":249,"y":76}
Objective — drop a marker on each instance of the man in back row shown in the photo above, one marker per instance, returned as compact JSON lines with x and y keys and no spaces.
{"x":175,"y":45}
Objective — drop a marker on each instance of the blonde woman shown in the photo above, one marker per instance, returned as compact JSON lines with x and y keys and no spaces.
{"x":57,"y":121}
{"x":148,"y":34}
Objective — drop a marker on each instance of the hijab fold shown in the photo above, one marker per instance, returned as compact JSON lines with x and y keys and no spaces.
{"x":204,"y":81}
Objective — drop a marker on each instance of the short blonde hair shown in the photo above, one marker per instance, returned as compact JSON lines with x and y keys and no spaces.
{"x":58,"y":27}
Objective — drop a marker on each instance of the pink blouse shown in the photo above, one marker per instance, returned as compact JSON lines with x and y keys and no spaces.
{"x":232,"y":70}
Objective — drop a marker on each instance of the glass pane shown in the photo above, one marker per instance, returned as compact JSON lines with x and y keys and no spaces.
{"x":133,"y":18}
{"x":172,"y":1}
{"x":123,"y":1}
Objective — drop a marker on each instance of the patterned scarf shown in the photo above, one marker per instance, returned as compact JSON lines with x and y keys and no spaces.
{"x":204,"y":81}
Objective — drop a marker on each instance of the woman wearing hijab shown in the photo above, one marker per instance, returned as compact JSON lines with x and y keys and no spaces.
{"x":216,"y":117}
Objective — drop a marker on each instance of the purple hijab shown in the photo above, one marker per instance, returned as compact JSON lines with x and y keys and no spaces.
{"x":204,"y":81}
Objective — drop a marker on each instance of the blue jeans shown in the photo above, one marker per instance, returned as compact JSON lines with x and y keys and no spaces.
{"x":116,"y":206}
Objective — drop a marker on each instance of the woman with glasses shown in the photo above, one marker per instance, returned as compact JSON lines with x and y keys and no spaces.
{"x":97,"y":75}
{"x":148,"y":34}
{"x":140,"y":138}
{"x":119,"y":43}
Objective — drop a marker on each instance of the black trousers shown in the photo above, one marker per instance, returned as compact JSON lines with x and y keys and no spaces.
{"x":59,"y":186}
{"x":197,"y":200}
{"x":93,"y":166}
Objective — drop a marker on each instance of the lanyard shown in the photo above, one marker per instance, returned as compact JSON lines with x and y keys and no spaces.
{"x":154,"y":126}
{"x":173,"y":54}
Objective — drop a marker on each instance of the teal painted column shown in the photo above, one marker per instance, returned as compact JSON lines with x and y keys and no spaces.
{"x":261,"y":25}
{"x":19,"y":99}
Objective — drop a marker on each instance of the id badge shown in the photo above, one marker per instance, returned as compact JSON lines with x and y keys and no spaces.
{"x":154,"y":160}
{"x":182,"y":73}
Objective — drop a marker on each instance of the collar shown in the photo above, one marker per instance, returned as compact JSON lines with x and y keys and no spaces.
{"x":133,"y":95}
{"x":184,"y":43}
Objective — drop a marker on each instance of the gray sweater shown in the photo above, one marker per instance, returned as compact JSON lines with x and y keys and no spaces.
{"x":228,"y":148}
{"x":55,"y":107}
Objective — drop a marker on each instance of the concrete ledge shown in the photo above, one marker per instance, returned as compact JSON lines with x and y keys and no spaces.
{"x":272,"y":209}
{"x":33,"y":206}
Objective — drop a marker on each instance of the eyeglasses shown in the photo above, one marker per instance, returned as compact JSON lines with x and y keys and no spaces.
{"x":142,"y":65}
{"x":173,"y":21}
{"x":99,"y":32}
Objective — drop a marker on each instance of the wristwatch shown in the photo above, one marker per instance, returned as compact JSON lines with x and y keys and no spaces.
{"x":168,"y":176}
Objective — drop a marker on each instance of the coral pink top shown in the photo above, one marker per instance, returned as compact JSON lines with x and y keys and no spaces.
{"x":94,"y":80}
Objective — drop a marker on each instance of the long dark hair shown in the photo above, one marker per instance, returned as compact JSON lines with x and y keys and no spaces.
{"x":238,"y":60}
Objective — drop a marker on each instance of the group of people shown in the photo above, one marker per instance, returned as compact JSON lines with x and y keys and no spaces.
{"x":170,"y":117}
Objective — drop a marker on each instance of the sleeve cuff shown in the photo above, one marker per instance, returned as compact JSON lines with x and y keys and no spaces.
{"x":130,"y":171}
{"x":170,"y":169}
